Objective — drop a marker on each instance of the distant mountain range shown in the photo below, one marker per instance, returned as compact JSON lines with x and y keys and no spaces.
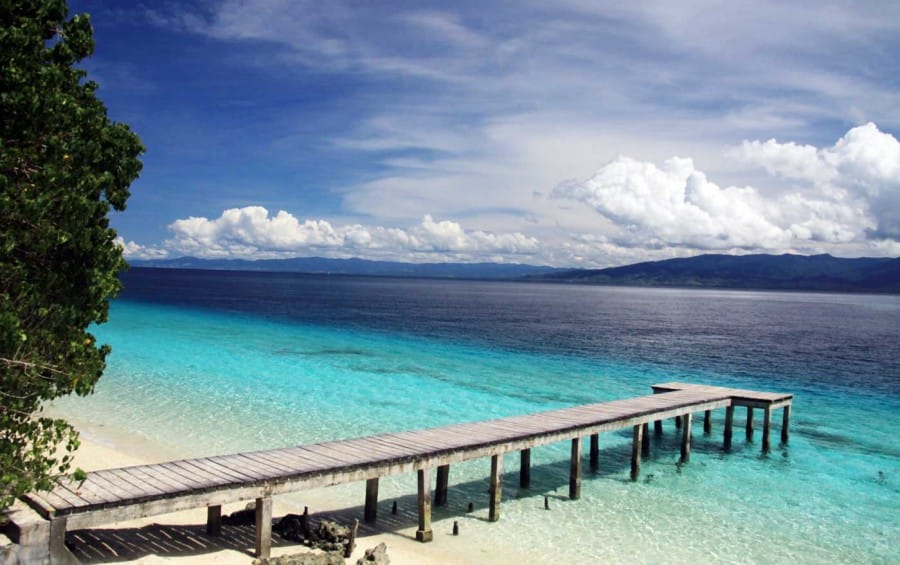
{"x":322,"y":265}
{"x":774,"y":272}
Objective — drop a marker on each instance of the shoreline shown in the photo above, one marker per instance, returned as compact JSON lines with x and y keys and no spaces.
{"x":103,"y":448}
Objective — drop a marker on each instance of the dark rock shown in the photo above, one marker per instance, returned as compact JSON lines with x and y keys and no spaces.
{"x":241,"y":517}
{"x":377,"y":555}
{"x":292,"y":527}
{"x":332,"y":532}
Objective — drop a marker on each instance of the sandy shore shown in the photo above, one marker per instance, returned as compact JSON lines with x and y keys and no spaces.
{"x":179,"y":537}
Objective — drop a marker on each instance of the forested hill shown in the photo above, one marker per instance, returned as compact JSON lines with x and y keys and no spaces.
{"x":781,"y":272}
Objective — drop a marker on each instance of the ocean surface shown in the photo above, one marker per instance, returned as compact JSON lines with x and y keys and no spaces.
{"x":211,"y":362}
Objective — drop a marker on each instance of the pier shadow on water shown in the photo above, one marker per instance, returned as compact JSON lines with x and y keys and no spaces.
{"x":550,"y":480}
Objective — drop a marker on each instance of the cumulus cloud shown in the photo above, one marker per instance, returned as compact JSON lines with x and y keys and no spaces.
{"x":252,"y":232}
{"x":847,"y":193}
{"x":132,"y":250}
{"x":862,"y":168}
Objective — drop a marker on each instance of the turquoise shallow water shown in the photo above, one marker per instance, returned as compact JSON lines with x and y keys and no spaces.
{"x":205,"y":379}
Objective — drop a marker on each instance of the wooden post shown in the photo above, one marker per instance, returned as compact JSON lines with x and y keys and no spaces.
{"x":729,"y":427}
{"x":785,"y":424}
{"x":496,"y":487}
{"x":595,"y":452}
{"x":767,"y":417}
{"x":424,"y":533}
{"x":686,"y":438}
{"x":575,"y":470}
{"x":59,"y":553}
{"x":371,"y":512}
{"x":525,"y":469}
{"x":707,"y":422}
{"x":440,"y":491}
{"x":645,"y":441}
{"x":749,"y":423}
{"x":351,"y":541}
{"x":214,"y":520}
{"x":636,"y":452}
{"x":263,"y":527}
{"x":657,"y":427}
{"x":677,"y":422}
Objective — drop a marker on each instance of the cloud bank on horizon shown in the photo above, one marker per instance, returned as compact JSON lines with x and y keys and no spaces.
{"x":570,"y":134}
{"x":846,"y":196}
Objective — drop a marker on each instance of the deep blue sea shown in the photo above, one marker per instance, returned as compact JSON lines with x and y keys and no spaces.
{"x":209,"y":362}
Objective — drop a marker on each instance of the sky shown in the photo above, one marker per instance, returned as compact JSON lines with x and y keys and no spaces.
{"x":570,"y":133}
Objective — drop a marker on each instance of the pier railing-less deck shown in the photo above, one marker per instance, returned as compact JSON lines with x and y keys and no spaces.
{"x":146,"y":490}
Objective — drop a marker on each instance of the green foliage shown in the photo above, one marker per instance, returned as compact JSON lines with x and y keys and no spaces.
{"x":63,"y":165}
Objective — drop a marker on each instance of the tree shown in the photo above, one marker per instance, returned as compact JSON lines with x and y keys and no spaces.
{"x":63,"y":166}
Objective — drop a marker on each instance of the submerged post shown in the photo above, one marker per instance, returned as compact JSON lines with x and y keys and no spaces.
{"x":263,"y":526}
{"x":443,"y":480}
{"x":645,"y":440}
{"x":707,"y":422}
{"x":636,"y":452}
{"x":214,"y":520}
{"x":595,"y":452}
{"x":677,"y":422}
{"x":371,"y":511}
{"x":496,"y":487}
{"x":657,"y":427}
{"x":767,"y":417}
{"x":525,"y":468}
{"x":749,"y":423}
{"x":575,"y":470}
{"x":424,"y":533}
{"x":785,"y":423}
{"x":729,"y":426}
{"x":686,"y":438}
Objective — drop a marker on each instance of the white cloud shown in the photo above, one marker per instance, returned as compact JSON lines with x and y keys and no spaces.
{"x":132,"y":250}
{"x":861,"y":169}
{"x":848,"y":193}
{"x":252,"y":233}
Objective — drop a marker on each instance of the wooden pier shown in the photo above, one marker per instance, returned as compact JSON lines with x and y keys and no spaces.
{"x":114,"y":495}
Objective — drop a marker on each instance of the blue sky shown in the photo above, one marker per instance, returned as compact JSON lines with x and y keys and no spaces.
{"x":569,"y":133}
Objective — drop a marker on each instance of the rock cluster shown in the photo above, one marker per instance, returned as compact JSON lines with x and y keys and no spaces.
{"x":375,"y":556}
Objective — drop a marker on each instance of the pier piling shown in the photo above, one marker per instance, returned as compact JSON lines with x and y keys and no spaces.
{"x":424,"y":533}
{"x":575,"y":470}
{"x":729,"y":427}
{"x":371,"y":510}
{"x":496,"y":487}
{"x":686,"y":438}
{"x":263,"y":526}
{"x":441,"y":484}
{"x":595,"y":452}
{"x":636,"y":451}
{"x":785,"y":424}
{"x":525,"y":468}
{"x":749,"y":423}
{"x":214,"y":520}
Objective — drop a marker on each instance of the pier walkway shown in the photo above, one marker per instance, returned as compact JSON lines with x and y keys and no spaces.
{"x":146,"y":490}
